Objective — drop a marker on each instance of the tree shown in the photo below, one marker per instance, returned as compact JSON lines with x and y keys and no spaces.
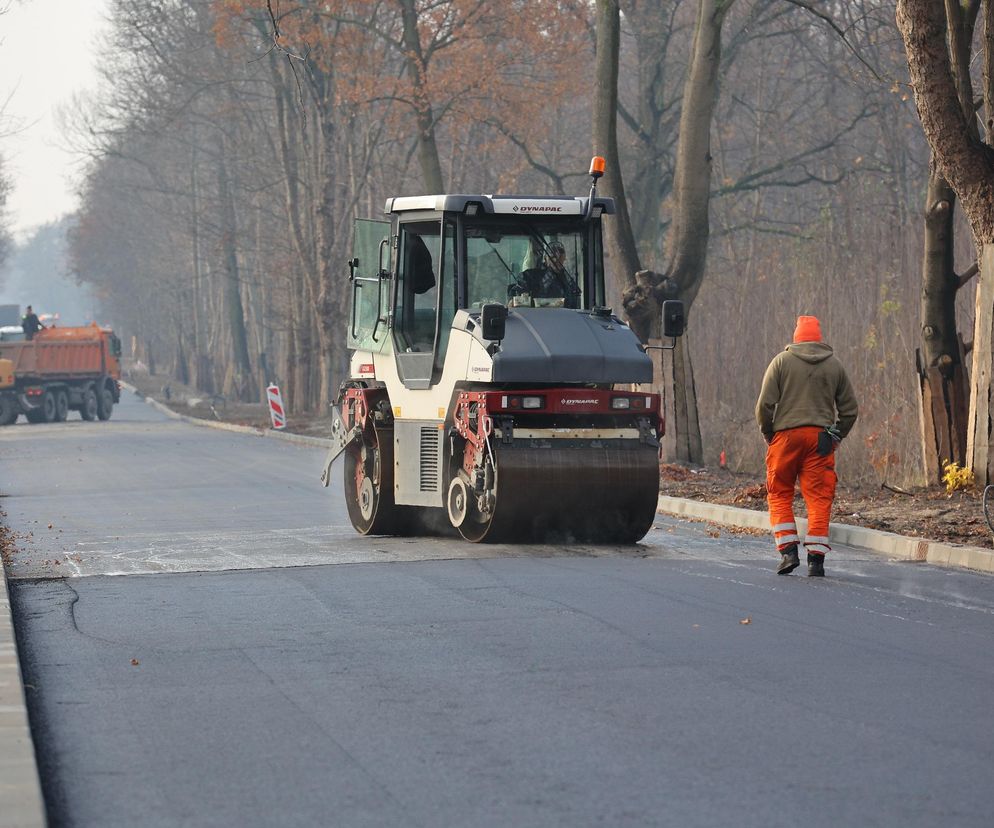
{"x":965,"y":161}
{"x":943,"y":377}
{"x":619,"y":240}
{"x":5,"y":188}
{"x":692,"y":184}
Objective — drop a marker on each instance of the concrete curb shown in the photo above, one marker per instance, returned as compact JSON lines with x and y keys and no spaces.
{"x":302,"y":439}
{"x":21,"y":802}
{"x":897,"y":547}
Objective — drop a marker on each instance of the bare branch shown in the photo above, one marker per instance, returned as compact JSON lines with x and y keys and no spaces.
{"x":801,"y":4}
{"x":967,"y":275}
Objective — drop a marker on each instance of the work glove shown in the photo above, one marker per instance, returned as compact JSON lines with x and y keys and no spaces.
{"x":828,"y":440}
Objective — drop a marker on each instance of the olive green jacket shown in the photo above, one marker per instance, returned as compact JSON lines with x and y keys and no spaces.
{"x":805,"y":385}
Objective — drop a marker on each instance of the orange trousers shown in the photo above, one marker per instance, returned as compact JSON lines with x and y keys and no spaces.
{"x":791,"y":457}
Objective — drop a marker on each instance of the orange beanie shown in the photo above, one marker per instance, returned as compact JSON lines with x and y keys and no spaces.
{"x":808,"y":329}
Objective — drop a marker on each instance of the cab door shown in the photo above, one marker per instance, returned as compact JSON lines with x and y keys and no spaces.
{"x":415,"y":323}
{"x":369,"y":272}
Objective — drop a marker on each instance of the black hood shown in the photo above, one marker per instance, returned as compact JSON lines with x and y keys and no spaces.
{"x":560,"y":345}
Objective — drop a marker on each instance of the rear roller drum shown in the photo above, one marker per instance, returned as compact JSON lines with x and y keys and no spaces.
{"x":369,"y":485}
{"x":576,"y":494}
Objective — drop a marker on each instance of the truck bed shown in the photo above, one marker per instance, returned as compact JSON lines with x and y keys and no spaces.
{"x":54,"y":357}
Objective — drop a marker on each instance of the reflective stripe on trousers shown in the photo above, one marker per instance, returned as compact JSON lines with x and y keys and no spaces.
{"x":792,"y":457}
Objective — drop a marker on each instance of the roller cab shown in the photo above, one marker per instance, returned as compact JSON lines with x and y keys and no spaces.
{"x":490,"y":388}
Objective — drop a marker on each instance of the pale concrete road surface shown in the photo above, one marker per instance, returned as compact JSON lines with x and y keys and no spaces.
{"x":431,"y":682}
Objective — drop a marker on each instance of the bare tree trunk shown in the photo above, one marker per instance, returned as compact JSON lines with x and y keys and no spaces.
{"x":943,"y":379}
{"x":431,"y":167}
{"x":947,"y":115}
{"x":966,"y":163}
{"x":692,"y":191}
{"x":330,"y":327}
{"x":305,"y":349}
{"x":622,"y":253}
{"x":234,"y":311}
{"x":941,"y":371}
{"x":692,"y":182}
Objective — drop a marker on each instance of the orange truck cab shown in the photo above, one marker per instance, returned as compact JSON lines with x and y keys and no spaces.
{"x":58,"y":371}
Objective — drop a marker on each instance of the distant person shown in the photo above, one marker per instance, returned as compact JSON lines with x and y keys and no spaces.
{"x":805,"y":409}
{"x":31,"y":324}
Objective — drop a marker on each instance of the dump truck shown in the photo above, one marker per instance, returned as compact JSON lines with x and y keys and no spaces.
{"x":57,"y":371}
{"x":490,"y":387}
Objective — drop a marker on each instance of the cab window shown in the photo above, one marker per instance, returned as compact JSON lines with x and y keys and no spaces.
{"x":526,"y":264}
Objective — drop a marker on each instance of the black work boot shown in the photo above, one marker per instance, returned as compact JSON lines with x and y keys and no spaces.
{"x":789,"y":560}
{"x":816,"y":566}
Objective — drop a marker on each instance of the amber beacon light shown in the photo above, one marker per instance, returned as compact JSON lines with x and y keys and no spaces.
{"x":596,"y":171}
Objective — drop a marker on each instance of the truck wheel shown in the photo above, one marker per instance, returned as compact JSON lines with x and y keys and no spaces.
{"x":105,"y":403}
{"x":8,"y":410}
{"x":88,"y":411}
{"x":46,"y":411}
{"x":61,"y":406}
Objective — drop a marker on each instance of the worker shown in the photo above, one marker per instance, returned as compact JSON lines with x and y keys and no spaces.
{"x":552,"y":279}
{"x":806,"y":407}
{"x":31,"y":324}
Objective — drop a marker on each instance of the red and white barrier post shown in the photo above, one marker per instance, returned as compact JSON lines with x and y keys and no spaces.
{"x":276,"y":412}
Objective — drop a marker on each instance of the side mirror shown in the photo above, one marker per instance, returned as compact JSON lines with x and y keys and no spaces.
{"x":673,"y":319}
{"x":493,"y":322}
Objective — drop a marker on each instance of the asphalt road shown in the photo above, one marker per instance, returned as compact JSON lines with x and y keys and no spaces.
{"x":261,"y":665}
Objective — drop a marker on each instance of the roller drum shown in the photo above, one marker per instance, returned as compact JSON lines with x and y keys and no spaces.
{"x":577,"y":493}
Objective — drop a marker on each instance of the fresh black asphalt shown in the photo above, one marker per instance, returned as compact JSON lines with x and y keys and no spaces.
{"x":528,"y":691}
{"x":678,"y":683}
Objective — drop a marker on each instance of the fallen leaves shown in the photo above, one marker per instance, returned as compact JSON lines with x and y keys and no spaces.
{"x":672,"y":471}
{"x":750,"y":493}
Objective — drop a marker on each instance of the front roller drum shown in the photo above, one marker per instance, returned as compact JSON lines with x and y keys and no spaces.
{"x":572,"y":494}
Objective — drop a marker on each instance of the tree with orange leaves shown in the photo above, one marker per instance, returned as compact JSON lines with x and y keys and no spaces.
{"x":426,"y":62}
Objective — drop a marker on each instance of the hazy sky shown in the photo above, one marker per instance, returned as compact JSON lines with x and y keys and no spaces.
{"x":47,"y":54}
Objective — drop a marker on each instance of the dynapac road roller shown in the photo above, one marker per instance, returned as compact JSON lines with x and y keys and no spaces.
{"x":490,"y":387}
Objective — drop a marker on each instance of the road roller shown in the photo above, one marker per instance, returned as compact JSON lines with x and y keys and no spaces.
{"x":490,"y":387}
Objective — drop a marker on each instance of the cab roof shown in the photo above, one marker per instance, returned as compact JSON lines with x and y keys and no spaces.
{"x":499,"y":204}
